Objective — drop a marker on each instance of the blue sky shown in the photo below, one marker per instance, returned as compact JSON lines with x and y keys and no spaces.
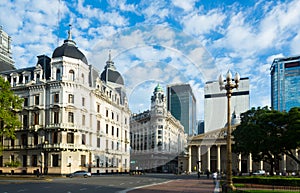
{"x":166,"y":41}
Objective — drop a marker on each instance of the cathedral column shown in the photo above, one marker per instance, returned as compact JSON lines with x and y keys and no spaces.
{"x":190,"y":159}
{"x":199,"y":158}
{"x":240,"y":162}
{"x":218,"y":158}
{"x":250,"y":163}
{"x":261,"y":165}
{"x":208,"y":158}
{"x":283,"y":164}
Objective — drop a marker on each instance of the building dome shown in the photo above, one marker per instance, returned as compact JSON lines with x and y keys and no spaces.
{"x":158,"y":88}
{"x":110,"y":74}
{"x":69,"y":49}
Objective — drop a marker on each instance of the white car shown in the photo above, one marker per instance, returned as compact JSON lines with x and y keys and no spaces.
{"x":259,"y":173}
{"x":80,"y":174}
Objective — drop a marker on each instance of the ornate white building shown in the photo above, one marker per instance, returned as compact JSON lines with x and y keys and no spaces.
{"x":156,"y":137}
{"x":74,"y":118}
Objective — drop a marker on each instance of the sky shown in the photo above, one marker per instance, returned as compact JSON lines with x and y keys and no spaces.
{"x":161,"y":42}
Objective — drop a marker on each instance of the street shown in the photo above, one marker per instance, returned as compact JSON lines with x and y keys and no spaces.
{"x":103,"y":183}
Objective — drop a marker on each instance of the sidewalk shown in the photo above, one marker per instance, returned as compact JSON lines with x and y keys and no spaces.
{"x":181,"y":185}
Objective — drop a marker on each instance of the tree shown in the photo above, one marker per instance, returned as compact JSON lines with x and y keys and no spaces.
{"x":10,"y":104}
{"x":290,"y":136}
{"x":258,"y":134}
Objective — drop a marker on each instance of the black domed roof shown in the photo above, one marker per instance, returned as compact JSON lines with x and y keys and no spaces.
{"x":110,"y":74}
{"x":69,"y":49}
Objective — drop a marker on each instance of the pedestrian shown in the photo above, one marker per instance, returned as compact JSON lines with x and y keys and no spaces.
{"x":207,"y":173}
{"x":215,"y":176}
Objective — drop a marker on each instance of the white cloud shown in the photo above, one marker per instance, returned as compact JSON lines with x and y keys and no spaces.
{"x":186,"y":5}
{"x":197,"y":24}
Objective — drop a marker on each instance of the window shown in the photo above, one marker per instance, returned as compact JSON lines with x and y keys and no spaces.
{"x":112,"y":115}
{"x":83,"y":158}
{"x":71,"y":98}
{"x":55,"y":137}
{"x":25,"y":101}
{"x":71,"y":117}
{"x":98,"y":126}
{"x":71,"y":75}
{"x":37,"y":100}
{"x":106,"y":128}
{"x":35,"y":139}
{"x":56,"y":97}
{"x":98,"y":141}
{"x":106,"y":113}
{"x":82,"y":76}
{"x":37,"y":77}
{"x":117,"y":132}
{"x":83,"y":139}
{"x":98,"y":108}
{"x":112,"y":145}
{"x":24,"y":140}
{"x":56,"y":117}
{"x":55,"y":160}
{"x":70,"y":137}
{"x":34,"y":160}
{"x":36,"y":118}
{"x":26,"y":79}
{"x":25,"y":121}
{"x":83,"y":120}
{"x":112,"y":130}
{"x":83,"y":101}
{"x":58,"y":74}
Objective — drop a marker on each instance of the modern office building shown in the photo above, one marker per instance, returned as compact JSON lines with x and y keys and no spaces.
{"x":73,"y":117}
{"x":285,"y":83}
{"x":156,"y":137}
{"x":215,"y":104}
{"x":6,"y":61}
{"x":182,"y":105}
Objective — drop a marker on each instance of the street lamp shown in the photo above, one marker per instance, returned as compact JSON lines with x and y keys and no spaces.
{"x":229,"y":86}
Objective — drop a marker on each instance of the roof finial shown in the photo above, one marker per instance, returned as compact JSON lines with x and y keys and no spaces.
{"x":69,"y":32}
{"x":109,"y":55}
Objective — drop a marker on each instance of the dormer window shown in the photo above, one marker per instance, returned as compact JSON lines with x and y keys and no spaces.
{"x":37,"y":77}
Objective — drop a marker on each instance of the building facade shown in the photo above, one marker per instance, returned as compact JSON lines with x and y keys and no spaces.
{"x":285,"y":83}
{"x":73,"y":117}
{"x":157,"y":138}
{"x":207,"y":152}
{"x":215,"y":104}
{"x":182,"y":105}
{"x":6,"y":61}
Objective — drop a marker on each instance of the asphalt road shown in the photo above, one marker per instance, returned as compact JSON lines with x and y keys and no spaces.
{"x":107,"y":184}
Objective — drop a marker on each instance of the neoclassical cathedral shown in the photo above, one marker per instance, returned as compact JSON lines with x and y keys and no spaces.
{"x":74,"y":117}
{"x":156,"y":137}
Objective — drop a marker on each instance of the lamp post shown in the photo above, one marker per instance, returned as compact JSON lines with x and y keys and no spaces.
{"x":229,"y":86}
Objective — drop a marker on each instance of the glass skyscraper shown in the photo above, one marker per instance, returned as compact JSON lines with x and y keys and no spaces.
{"x":285,"y":83}
{"x":182,"y":105}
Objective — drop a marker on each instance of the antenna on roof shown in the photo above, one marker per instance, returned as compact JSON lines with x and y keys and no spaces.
{"x":69,"y":32}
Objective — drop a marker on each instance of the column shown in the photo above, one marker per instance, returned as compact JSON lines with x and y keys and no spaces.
{"x":199,"y":158}
{"x":190,"y":159}
{"x":250,"y":163}
{"x":284,"y":164}
{"x":219,"y":158}
{"x":261,"y":165}
{"x":240,"y":163}
{"x":208,"y":158}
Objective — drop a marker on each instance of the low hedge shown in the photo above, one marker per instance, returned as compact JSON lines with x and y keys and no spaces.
{"x":276,"y":181}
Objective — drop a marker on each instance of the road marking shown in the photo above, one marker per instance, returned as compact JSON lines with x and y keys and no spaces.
{"x":81,"y":189}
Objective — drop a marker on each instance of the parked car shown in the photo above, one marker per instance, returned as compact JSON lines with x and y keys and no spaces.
{"x":80,"y":173}
{"x":259,"y":172}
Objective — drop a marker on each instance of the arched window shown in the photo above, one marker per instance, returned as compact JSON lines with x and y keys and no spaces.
{"x":58,"y":76}
{"x":71,"y":75}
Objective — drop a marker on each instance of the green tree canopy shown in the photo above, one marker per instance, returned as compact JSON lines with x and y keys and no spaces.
{"x":10,"y":104}
{"x":267,"y":134}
